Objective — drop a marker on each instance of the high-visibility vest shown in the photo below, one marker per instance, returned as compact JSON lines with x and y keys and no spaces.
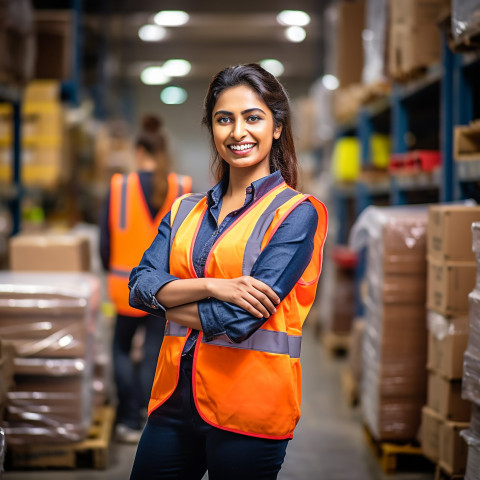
{"x":252,"y":387}
{"x":132,"y":230}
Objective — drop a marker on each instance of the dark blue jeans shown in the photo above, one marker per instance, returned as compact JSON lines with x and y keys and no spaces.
{"x":177,"y":444}
{"x":133,"y":382}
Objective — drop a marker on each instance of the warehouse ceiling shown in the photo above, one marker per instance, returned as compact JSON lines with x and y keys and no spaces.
{"x":218,"y":33}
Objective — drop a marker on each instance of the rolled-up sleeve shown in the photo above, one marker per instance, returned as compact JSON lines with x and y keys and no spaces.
{"x":280,"y":265}
{"x":152,"y":273}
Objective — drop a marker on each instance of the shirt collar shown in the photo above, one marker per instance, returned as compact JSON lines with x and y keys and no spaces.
{"x":258,"y":188}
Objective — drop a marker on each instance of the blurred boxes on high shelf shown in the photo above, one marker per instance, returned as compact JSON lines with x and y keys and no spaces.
{"x":45,"y":160}
{"x":451,"y":277}
{"x":414,"y":39}
{"x":394,"y":340}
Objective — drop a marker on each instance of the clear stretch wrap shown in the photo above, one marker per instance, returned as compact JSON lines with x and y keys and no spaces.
{"x":374,"y":41}
{"x":476,"y":248}
{"x":51,"y":319}
{"x":395,"y":339}
{"x":473,"y":458}
{"x":465,"y":17}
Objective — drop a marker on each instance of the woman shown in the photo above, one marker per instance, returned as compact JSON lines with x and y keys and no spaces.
{"x":135,"y":205}
{"x":236,"y":272}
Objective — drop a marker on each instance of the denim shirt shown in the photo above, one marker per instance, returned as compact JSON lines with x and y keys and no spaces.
{"x":280,"y":265}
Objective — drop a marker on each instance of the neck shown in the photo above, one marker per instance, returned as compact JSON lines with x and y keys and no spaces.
{"x":240,"y":179}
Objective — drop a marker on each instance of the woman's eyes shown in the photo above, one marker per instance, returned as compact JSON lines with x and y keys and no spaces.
{"x":227,"y":120}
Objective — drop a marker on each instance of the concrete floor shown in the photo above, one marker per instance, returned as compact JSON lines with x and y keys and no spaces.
{"x":329,"y":442}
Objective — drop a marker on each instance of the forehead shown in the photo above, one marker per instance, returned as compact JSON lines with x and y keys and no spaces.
{"x":240,"y":97}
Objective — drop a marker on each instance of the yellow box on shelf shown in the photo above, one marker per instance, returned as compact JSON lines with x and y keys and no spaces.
{"x":346,"y":159}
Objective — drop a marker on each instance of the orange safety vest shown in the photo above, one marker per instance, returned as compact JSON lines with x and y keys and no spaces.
{"x":252,"y":387}
{"x":132,"y":230}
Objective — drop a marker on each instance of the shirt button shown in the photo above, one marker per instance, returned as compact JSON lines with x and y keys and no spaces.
{"x":153,"y":306}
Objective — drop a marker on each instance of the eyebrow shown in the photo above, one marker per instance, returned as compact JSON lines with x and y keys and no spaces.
{"x":226,"y":112}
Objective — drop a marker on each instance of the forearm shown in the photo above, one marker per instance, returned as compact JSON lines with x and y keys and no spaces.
{"x":183,"y":291}
{"x":185,"y":315}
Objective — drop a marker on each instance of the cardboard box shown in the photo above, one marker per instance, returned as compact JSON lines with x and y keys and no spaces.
{"x":450,"y":232}
{"x":430,"y":433}
{"x":445,"y":397}
{"x":448,"y":286}
{"x":49,"y":252}
{"x":351,"y":21}
{"x":447,"y":342}
{"x":453,"y":449}
{"x":416,"y":12}
{"x":54,"y":44}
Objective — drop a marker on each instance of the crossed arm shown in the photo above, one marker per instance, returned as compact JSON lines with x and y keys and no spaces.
{"x":180,"y":297}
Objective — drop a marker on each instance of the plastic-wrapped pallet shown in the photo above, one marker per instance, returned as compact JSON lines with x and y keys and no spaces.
{"x":51,"y":320}
{"x":465,"y":17}
{"x":471,"y":358}
{"x":395,"y":338}
{"x":473,"y":456}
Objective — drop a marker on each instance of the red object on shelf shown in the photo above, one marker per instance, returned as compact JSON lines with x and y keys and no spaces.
{"x":344,"y":257}
{"x":416,"y":160}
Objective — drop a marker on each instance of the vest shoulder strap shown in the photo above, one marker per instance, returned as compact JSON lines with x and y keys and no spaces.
{"x":180,"y":210}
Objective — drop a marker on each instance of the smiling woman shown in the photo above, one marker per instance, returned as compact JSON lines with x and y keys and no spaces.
{"x":235,"y":271}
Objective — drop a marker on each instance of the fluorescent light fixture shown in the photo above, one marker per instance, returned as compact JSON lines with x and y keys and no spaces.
{"x":177,"y":67}
{"x":152,"y":33}
{"x":330,"y":82}
{"x":154,"y":76}
{"x":273,"y":66}
{"x":171,"y":18}
{"x":173,"y":95}
{"x":296,"y":34}
{"x":296,"y":18}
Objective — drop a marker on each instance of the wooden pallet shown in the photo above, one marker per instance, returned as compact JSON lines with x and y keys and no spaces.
{"x":337,"y":344}
{"x":396,"y":457}
{"x":442,"y":474}
{"x":93,"y":452}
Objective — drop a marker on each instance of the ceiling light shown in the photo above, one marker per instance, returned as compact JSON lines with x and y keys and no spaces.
{"x":293,"y":17}
{"x":296,"y":34}
{"x":171,"y":18}
{"x":152,"y":33}
{"x":330,"y":82}
{"x":273,"y":66}
{"x":177,"y":67}
{"x":173,"y":95}
{"x":154,"y":76}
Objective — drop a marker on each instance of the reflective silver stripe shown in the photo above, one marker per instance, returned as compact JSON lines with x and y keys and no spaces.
{"x":266,"y":341}
{"x":186,"y":206}
{"x":180,"y":185}
{"x":120,"y":273}
{"x":123,"y":202}
{"x":254,"y":242}
{"x":175,"y":330}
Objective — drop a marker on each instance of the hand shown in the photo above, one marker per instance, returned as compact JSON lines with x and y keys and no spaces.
{"x":247,"y":292}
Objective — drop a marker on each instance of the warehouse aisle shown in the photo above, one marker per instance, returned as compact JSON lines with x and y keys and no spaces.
{"x":329,"y":442}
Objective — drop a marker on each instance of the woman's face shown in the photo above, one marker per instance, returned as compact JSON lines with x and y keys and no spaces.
{"x":243,"y":128}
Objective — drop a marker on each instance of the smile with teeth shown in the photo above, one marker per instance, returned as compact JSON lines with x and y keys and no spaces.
{"x":245,"y":146}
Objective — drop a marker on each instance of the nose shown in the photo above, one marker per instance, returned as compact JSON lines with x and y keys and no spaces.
{"x":238,"y":129}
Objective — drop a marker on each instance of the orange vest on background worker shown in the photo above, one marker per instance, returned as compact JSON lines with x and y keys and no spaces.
{"x":132,"y":230}
{"x":252,"y":387}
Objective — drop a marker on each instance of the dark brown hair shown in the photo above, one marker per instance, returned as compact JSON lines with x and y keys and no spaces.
{"x":269,"y":89}
{"x":152,"y":139}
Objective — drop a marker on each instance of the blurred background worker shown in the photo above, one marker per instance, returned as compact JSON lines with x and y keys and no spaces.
{"x":135,"y":205}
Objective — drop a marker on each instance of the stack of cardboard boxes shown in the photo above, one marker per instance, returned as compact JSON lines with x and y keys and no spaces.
{"x":451,"y":276}
{"x":394,"y":340}
{"x":471,"y":369}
